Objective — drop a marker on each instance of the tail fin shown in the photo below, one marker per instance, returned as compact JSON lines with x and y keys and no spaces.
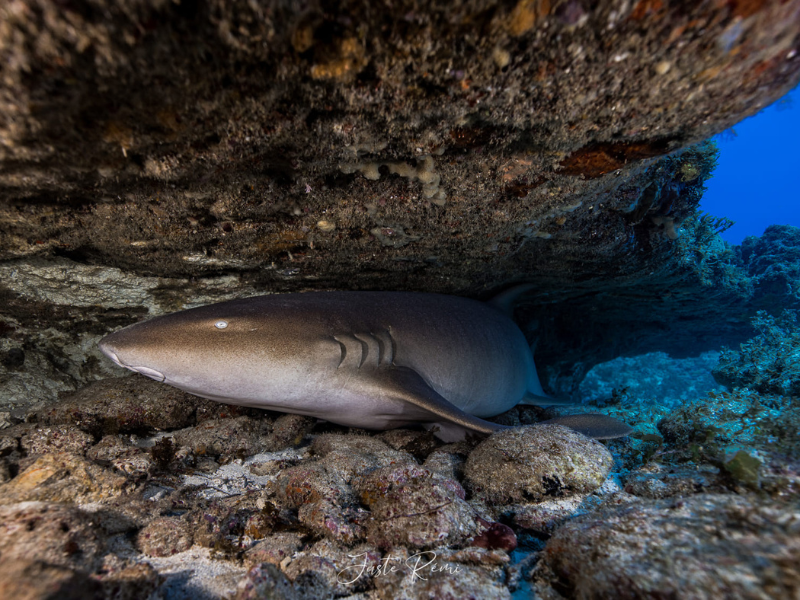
{"x":597,"y":426}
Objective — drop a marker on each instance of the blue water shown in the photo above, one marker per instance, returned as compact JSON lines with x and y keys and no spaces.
{"x":756,"y":183}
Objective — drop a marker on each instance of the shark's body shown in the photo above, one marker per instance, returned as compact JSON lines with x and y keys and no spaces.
{"x":376,"y":360}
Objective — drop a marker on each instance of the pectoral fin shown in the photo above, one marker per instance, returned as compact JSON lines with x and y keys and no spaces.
{"x":407,"y":385}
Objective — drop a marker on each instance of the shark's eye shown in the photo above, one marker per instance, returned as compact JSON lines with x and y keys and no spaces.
{"x":221,"y":324}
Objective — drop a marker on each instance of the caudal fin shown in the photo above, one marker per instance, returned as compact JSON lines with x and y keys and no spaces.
{"x":597,"y":426}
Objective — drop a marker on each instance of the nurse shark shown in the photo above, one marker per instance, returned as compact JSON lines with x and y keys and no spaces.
{"x":375,"y":360}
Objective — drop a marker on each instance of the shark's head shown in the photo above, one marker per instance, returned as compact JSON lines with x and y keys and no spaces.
{"x":212,"y":351}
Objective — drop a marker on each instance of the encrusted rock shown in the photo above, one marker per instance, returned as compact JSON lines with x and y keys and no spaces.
{"x":413,"y":507}
{"x":336,"y":570}
{"x":423,"y":575}
{"x":344,"y":524}
{"x":265,"y":582}
{"x":124,"y":457}
{"x":236,"y":437}
{"x":447,"y":464}
{"x":165,"y":536}
{"x":703,"y":546}
{"x":494,"y":536}
{"x":59,"y":438}
{"x":124,"y":405}
{"x":536,"y":462}
{"x":312,"y":482}
{"x":57,"y":534}
{"x":656,"y":482}
{"x":236,"y":518}
{"x":544,"y":517}
{"x":289,"y":431}
{"x":25,"y":579}
{"x":63,"y":478}
{"x":123,"y":581}
{"x":354,"y":455}
{"x":274,"y":548}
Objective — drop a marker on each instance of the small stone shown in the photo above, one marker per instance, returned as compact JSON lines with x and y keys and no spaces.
{"x":501,"y":57}
{"x":544,"y":517}
{"x":165,"y":536}
{"x":274,"y":549}
{"x":332,"y":569}
{"x":288,"y":431}
{"x":656,"y":482}
{"x":743,"y":466}
{"x":312,"y":482}
{"x":333,"y":521}
{"x":425,"y":575}
{"x":133,"y":582}
{"x":265,"y":582}
{"x":495,"y":536}
{"x":124,"y":405}
{"x":131,"y":460}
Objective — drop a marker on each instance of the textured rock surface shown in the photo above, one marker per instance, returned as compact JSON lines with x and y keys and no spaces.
{"x":36,"y":580}
{"x":165,"y":536}
{"x":705,"y":546}
{"x":240,"y":436}
{"x":124,"y":405}
{"x":62,"y":438}
{"x":412,"y":507}
{"x":61,"y":477}
{"x":333,"y":516}
{"x":57,"y":534}
{"x":533,"y":463}
{"x":452,"y":148}
{"x":157,"y":155}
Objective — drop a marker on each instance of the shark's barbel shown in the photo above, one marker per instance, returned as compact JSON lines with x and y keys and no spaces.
{"x":376,"y":360}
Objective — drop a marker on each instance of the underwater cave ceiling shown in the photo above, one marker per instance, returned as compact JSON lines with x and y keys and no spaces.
{"x":156,"y":154}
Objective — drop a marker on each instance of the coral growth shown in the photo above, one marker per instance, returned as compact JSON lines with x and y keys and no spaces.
{"x":769,"y":362}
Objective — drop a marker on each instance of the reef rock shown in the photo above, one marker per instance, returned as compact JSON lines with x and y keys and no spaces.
{"x":704,"y":546}
{"x":57,"y":534}
{"x":458,"y":150}
{"x":62,"y":477}
{"x":536,"y":462}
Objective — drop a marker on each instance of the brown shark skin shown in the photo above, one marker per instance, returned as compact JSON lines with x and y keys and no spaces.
{"x":364,"y":359}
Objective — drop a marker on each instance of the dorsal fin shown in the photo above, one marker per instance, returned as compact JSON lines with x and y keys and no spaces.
{"x":504,"y":301}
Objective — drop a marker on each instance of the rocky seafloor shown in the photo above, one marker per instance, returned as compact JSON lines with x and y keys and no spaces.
{"x":131,"y":489}
{"x":157,"y":155}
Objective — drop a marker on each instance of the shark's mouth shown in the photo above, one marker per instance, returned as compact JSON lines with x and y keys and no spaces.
{"x":152,"y":373}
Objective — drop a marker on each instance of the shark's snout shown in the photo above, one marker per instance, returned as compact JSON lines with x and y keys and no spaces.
{"x":109,"y":346}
